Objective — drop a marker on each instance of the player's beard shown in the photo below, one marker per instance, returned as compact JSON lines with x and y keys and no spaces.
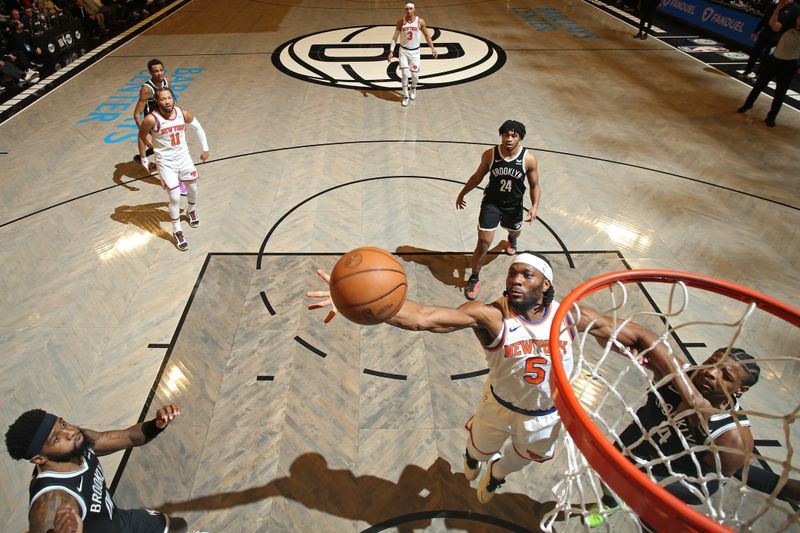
{"x":76,"y":452}
{"x":533,"y":300}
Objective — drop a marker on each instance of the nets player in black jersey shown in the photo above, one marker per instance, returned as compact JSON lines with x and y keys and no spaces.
{"x":147,"y":94}
{"x":68,"y":491}
{"x":703,"y":410}
{"x":147,"y":102}
{"x":510,"y":167}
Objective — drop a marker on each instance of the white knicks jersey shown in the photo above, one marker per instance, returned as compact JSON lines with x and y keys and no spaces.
{"x":409,"y":34}
{"x":519,"y":359}
{"x":169,"y":138}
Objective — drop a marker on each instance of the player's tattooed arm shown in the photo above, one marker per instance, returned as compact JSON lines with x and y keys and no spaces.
{"x":51,"y":513}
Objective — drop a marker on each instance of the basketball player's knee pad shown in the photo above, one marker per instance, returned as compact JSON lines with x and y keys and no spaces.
{"x":191,"y":193}
{"x":175,"y":203}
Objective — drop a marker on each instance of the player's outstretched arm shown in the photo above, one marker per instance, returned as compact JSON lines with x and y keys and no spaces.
{"x":419,"y":317}
{"x":476,"y":178}
{"x":107,"y":442}
{"x":415,"y":316}
{"x":55,"y":511}
{"x":637,"y":341}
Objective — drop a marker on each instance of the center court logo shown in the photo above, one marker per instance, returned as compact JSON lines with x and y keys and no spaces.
{"x":355,"y":58}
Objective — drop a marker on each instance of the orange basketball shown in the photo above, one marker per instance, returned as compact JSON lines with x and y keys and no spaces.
{"x":368,"y":285}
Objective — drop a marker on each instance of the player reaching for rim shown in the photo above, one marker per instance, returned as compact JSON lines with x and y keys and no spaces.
{"x":514,"y":332}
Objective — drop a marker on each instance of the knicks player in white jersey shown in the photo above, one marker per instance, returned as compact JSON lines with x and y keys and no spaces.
{"x":514,"y":332}
{"x":408,"y":30}
{"x":166,"y":127}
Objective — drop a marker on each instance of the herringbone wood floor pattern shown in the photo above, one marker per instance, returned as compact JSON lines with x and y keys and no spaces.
{"x":93,"y":279}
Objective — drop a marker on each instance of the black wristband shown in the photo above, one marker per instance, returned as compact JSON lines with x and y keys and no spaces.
{"x":151,"y":430}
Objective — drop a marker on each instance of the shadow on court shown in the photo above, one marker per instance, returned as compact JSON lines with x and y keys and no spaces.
{"x":135,"y":172}
{"x":390,"y":96}
{"x":151,"y":218}
{"x":407,"y":505}
{"x":449,"y":269}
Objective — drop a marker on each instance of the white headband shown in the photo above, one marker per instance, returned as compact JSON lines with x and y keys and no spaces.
{"x":410,"y":4}
{"x":536,"y":262}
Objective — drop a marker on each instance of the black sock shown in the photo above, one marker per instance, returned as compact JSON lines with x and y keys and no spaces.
{"x":472,"y":463}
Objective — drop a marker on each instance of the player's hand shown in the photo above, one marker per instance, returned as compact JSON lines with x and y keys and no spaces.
{"x":166,"y":415}
{"x":434,"y":52}
{"x":530,"y":215}
{"x":203,"y":156}
{"x":67,"y":521}
{"x":460,"y":202}
{"x":145,"y":163}
{"x":325,"y":296}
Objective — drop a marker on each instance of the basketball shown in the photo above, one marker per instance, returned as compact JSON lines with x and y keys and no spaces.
{"x":368,"y":285}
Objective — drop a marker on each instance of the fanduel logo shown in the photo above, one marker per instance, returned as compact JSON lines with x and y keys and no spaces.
{"x":722,"y":20}
{"x":681,"y":6}
{"x":355,"y":58}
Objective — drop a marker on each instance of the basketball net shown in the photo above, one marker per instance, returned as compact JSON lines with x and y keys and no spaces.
{"x":599,"y":399}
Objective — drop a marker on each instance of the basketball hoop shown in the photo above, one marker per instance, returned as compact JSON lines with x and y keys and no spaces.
{"x":594,"y":464}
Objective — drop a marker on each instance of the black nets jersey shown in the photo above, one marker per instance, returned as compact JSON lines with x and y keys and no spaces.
{"x":507,"y":180}
{"x":151,"y":102}
{"x":666,"y":437}
{"x":87,"y":485}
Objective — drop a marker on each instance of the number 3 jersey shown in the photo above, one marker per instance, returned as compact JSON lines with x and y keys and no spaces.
{"x":507,"y":179}
{"x":519,"y":359}
{"x":409,"y":34}
{"x":87,"y":485}
{"x":169,"y":139}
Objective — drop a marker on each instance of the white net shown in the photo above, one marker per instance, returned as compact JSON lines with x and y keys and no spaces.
{"x":688,"y":451}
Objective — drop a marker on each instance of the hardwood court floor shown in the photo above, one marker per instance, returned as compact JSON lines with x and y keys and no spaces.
{"x":642,"y":156}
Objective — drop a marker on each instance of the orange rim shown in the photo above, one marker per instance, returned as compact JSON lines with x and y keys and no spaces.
{"x":654,"y":504}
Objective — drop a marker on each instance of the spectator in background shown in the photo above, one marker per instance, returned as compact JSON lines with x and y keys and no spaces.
{"x":50,"y":8}
{"x":112,"y":14}
{"x":765,"y":37}
{"x":23,"y":46}
{"x":780,"y":66}
{"x":93,"y":21}
{"x":11,"y":76}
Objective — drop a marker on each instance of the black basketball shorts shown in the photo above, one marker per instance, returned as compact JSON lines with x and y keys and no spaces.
{"x":492,"y":215}
{"x":141,"y":521}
